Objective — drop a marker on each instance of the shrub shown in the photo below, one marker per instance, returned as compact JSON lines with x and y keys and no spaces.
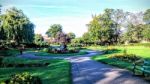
{"x":110,"y":50}
{"x":45,"y":50}
{"x":23,"y":78}
{"x":74,"y":50}
{"x":126,"y":57}
{"x":59,"y":50}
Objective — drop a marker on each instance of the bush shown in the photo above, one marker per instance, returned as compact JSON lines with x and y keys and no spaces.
{"x":23,"y":78}
{"x":45,"y":50}
{"x":73,"y":50}
{"x":126,"y":57}
{"x":140,"y":44}
{"x":59,"y":50}
{"x":110,"y":50}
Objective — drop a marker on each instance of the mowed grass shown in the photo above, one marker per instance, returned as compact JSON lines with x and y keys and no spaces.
{"x":9,"y":52}
{"x":57,"y":72}
{"x":140,"y":51}
{"x":66,"y":54}
{"x":105,"y":59}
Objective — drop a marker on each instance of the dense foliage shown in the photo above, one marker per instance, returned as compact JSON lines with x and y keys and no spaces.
{"x":117,"y":27}
{"x":23,"y":78}
{"x":53,"y":30}
{"x":39,"y":40}
{"x":16,"y":27}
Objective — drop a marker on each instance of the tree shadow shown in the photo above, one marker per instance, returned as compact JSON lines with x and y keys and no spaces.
{"x":98,"y":73}
{"x":112,"y":51}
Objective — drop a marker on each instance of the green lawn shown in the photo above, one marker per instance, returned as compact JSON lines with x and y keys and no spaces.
{"x":141,"y":51}
{"x":10,"y":52}
{"x":66,"y":54}
{"x":114,"y":62}
{"x":57,"y":72}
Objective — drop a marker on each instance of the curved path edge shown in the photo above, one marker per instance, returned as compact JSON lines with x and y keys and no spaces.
{"x":87,"y":71}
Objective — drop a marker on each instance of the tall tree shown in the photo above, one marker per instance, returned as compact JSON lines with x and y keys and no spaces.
{"x":53,"y":30}
{"x":147,"y":16}
{"x":17,"y":26}
{"x":146,"y":32}
{"x":101,"y":28}
{"x":94,"y":28}
{"x":118,"y":16}
{"x":2,"y":33}
{"x":134,"y":33}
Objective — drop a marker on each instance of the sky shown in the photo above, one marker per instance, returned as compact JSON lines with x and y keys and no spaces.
{"x":73,"y":15}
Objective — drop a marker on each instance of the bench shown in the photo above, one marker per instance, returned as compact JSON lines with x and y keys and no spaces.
{"x":143,"y":66}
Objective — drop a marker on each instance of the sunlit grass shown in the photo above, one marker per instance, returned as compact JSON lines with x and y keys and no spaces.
{"x":58,"y":72}
{"x":140,"y":51}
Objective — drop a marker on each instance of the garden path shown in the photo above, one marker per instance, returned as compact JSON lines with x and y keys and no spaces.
{"x":87,"y":71}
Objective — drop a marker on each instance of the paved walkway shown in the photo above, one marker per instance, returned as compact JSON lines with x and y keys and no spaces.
{"x":87,"y":71}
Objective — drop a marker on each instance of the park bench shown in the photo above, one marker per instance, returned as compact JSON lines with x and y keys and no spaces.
{"x":143,"y":66}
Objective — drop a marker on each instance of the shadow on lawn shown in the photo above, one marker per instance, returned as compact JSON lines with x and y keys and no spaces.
{"x":112,"y":51}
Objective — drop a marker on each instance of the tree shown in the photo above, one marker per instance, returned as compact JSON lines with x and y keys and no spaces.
{"x":109,"y":26}
{"x":134,"y":33}
{"x":146,"y":32}
{"x":17,"y":26}
{"x":118,"y":16}
{"x":146,"y":17}
{"x":94,"y":28}
{"x":101,"y":28}
{"x":86,"y":38}
{"x":62,"y":38}
{"x":53,"y":30}
{"x":71,"y":35}
{"x":2,"y":33}
{"x":0,"y":9}
{"x":38,"y":39}
{"x":77,"y":42}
